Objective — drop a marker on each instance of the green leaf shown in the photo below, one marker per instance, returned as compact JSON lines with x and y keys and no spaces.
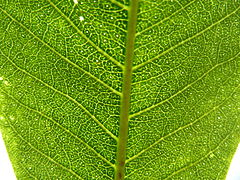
{"x":93,"y":89}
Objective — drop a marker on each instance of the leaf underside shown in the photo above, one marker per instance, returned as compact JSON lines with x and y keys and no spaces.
{"x":62,"y":66}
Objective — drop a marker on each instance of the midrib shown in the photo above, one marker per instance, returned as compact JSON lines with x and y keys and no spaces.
{"x":126,"y":92}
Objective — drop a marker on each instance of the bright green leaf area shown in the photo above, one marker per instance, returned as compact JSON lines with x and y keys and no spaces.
{"x":66,"y":70}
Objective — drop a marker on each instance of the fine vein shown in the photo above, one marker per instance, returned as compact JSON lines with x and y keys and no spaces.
{"x":67,"y":96}
{"x":60,"y":55}
{"x":185,"y":88}
{"x":184,"y":41}
{"x":59,"y":125}
{"x":125,"y":99}
{"x":166,"y":18}
{"x":184,"y":127}
{"x":85,"y":37}
{"x":43,"y":154}
{"x":202,"y":158}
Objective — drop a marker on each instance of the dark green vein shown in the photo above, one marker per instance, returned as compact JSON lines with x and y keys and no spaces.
{"x":125,"y":100}
{"x":85,"y":37}
{"x":65,"y":95}
{"x":60,"y":55}
{"x":57,"y":124}
{"x":184,"y":41}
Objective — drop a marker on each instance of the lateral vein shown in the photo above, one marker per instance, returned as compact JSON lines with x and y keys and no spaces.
{"x":120,"y":4}
{"x":157,"y":76}
{"x":60,"y":55}
{"x":184,"y":41}
{"x":181,"y":128}
{"x":67,"y":96}
{"x":59,"y":125}
{"x":185,"y":88}
{"x":166,"y":18}
{"x":85,"y":37}
{"x":201,"y":159}
{"x":43,"y":154}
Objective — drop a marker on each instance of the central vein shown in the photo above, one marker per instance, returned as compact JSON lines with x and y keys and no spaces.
{"x":126,"y":92}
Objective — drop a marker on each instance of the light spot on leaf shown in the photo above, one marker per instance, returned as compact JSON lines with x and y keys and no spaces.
{"x":212,"y":155}
{"x":81,"y":18}
{"x":6,"y":83}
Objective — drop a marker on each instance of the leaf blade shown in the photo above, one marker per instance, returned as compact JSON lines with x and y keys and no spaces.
{"x":64,"y":61}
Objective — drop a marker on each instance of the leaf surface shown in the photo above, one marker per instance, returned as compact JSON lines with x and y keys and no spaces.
{"x":66,"y":71}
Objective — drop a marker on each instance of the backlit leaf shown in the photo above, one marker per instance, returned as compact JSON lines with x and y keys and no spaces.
{"x":66,"y":71}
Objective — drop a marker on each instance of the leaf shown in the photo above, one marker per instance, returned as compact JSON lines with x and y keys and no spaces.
{"x":90,"y":89}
